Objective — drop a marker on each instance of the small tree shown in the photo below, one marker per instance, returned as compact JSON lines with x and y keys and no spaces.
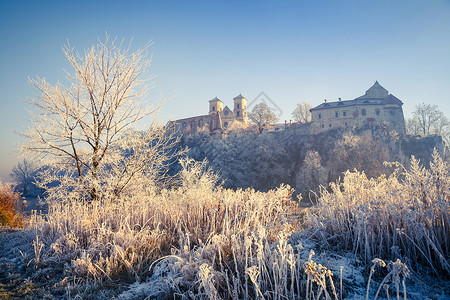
{"x":302,"y":113}
{"x":313,"y":170}
{"x":236,"y":127}
{"x":427,"y":119}
{"x":412,"y":126}
{"x":430,"y":119}
{"x":23,"y":174}
{"x":358,"y":152}
{"x":441,"y":123}
{"x":86,"y":131}
{"x":262,"y":116}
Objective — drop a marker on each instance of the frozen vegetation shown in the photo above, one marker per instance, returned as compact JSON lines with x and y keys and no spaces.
{"x":200,"y":240}
{"x":304,"y":161}
{"x":123,"y":224}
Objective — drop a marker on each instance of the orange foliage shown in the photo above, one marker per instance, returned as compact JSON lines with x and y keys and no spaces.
{"x":10,"y":206}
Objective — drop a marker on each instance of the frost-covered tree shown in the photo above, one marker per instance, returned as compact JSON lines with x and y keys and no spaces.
{"x":302,"y":113}
{"x":311,"y":174}
{"x":358,"y":152}
{"x":427,"y":120}
{"x":430,"y":119}
{"x":412,"y":126}
{"x":262,"y":116}
{"x":23,"y":174}
{"x":86,"y":130}
{"x":236,"y":127}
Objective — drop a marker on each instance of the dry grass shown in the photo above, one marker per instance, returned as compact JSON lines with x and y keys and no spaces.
{"x":120,"y":239}
{"x":206,"y":242}
{"x":405,"y":215}
{"x":196,"y":239}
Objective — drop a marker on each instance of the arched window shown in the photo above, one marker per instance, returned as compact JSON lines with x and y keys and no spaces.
{"x":213,"y":108}
{"x":225,"y":124}
{"x":237,"y":114}
{"x":237,"y":106}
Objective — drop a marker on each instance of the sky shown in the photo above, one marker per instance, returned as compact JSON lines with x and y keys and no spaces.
{"x":293,"y":51}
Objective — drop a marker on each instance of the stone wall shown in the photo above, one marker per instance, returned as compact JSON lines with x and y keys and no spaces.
{"x":353,"y":117}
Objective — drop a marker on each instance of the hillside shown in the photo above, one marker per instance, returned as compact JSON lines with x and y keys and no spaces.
{"x":304,"y":161}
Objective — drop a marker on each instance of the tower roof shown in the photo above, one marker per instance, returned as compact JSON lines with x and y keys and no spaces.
{"x":239,"y":97}
{"x":376,"y":91}
{"x":215,"y":99}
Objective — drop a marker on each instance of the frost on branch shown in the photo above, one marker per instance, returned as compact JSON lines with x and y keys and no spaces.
{"x":86,"y":130}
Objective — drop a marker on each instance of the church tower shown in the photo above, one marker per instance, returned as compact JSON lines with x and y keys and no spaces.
{"x":215,"y":106}
{"x":240,"y":108}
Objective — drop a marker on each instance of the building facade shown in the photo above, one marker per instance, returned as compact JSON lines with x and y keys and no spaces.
{"x":375,"y":107}
{"x":217,"y":119}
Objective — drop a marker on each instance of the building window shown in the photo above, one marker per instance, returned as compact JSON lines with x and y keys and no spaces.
{"x":237,"y":114}
{"x":377,"y":112}
{"x":344,"y":113}
{"x":345,"y":123}
{"x":320,"y":116}
{"x":336,"y":114}
{"x":363,"y":112}
{"x":226,"y":113}
{"x":225,"y":124}
{"x":323,"y":126}
{"x":392,"y":113}
{"x":329,"y":125}
{"x":237,"y":106}
{"x":213,"y":108}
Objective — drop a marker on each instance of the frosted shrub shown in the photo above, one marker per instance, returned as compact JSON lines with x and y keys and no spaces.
{"x":120,"y":238}
{"x":403,"y":215}
{"x":10,"y":206}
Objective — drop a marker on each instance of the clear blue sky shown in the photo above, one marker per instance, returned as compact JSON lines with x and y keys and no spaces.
{"x":293,"y":51}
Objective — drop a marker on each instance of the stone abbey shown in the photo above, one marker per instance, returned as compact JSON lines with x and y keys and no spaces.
{"x":218,"y":118}
{"x":375,"y":107}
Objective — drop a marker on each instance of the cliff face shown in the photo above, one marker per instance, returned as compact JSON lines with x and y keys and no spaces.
{"x":305,"y":161}
{"x":422,"y":147}
{"x":401,"y":147}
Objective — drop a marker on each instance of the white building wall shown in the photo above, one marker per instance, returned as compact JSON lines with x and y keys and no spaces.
{"x":357,"y":116}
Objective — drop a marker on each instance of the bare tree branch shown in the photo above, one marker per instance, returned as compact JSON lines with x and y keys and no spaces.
{"x":262,"y":116}
{"x":86,"y":132}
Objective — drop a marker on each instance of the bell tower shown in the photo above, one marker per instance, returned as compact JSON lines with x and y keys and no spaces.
{"x":240,"y":108}
{"x":215,"y":106}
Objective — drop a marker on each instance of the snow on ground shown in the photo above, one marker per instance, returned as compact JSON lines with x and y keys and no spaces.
{"x":19,"y":278}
